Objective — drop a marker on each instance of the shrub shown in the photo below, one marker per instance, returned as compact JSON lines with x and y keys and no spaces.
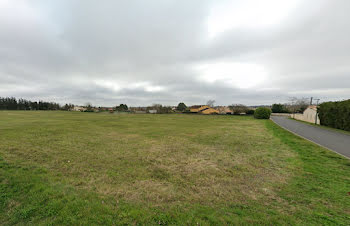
{"x":279,"y":108}
{"x":250,"y":112}
{"x":262,"y":113}
{"x":335,"y":114}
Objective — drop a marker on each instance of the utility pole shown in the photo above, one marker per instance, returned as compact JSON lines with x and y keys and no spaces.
{"x":316,"y":110}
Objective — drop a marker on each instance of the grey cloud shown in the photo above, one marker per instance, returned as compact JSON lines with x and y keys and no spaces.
{"x":58,"y":50}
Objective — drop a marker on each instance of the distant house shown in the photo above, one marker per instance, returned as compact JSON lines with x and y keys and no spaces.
{"x":209,"y":111}
{"x":203,"y":109}
{"x":309,"y":115}
{"x":152,"y":111}
{"x":79,"y":108}
{"x":139,"y":110}
{"x":224,"y":110}
{"x":198,"y":108}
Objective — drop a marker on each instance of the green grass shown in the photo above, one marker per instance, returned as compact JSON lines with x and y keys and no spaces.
{"x":85,"y":168}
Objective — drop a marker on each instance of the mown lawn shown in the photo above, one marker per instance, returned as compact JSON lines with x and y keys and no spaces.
{"x":86,"y":168}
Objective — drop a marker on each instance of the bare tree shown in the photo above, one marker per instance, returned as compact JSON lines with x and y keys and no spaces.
{"x":211,"y":103}
{"x":238,"y":108}
{"x":89,"y":106}
{"x":298,"y":105}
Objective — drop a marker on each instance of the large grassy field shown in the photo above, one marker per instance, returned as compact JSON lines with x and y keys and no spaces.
{"x":87,"y":168}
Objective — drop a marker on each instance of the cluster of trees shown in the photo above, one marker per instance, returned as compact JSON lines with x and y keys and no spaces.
{"x":296,"y":105}
{"x":279,"y":108}
{"x":160,"y":109}
{"x":122,"y":108}
{"x":68,"y":107}
{"x":11,"y":103}
{"x":89,"y":107}
{"x":335,"y":114}
{"x":239,"y":109}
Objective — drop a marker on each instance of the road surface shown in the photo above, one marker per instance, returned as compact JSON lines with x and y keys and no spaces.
{"x":331,"y":139}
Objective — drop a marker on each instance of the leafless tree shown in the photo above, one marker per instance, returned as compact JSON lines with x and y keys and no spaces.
{"x":297,"y":105}
{"x":89,"y":106}
{"x":211,"y":103}
{"x":238,"y":108}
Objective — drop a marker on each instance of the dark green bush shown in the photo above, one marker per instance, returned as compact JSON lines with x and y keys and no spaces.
{"x":250,"y":112}
{"x":335,"y":114}
{"x":262,"y":113}
{"x":279,"y":108}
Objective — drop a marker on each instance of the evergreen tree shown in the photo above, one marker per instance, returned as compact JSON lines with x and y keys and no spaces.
{"x":181,"y":107}
{"x":122,"y":107}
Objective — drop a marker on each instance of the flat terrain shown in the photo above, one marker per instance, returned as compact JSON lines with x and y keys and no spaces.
{"x":92,"y":168}
{"x":330,"y":138}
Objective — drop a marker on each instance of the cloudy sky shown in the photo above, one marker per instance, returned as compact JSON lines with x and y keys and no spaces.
{"x":165,"y":51}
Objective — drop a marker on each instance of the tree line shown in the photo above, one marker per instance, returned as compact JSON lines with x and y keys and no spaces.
{"x":11,"y":103}
{"x":296,"y":105}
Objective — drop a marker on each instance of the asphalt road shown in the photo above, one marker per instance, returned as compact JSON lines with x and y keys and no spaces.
{"x":333,"y":140}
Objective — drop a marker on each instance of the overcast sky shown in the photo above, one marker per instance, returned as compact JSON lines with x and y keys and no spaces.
{"x":169,"y":51}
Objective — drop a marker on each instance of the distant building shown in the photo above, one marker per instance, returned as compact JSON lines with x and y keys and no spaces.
{"x":203,"y":109}
{"x":309,"y":115}
{"x":79,"y":108}
{"x":198,"y":108}
{"x":152,"y":111}
{"x":223,"y":110}
{"x":140,"y":109}
{"x":209,"y":111}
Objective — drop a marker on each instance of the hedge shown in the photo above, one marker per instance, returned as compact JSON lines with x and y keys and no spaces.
{"x":262,"y":113}
{"x":335,"y":114}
